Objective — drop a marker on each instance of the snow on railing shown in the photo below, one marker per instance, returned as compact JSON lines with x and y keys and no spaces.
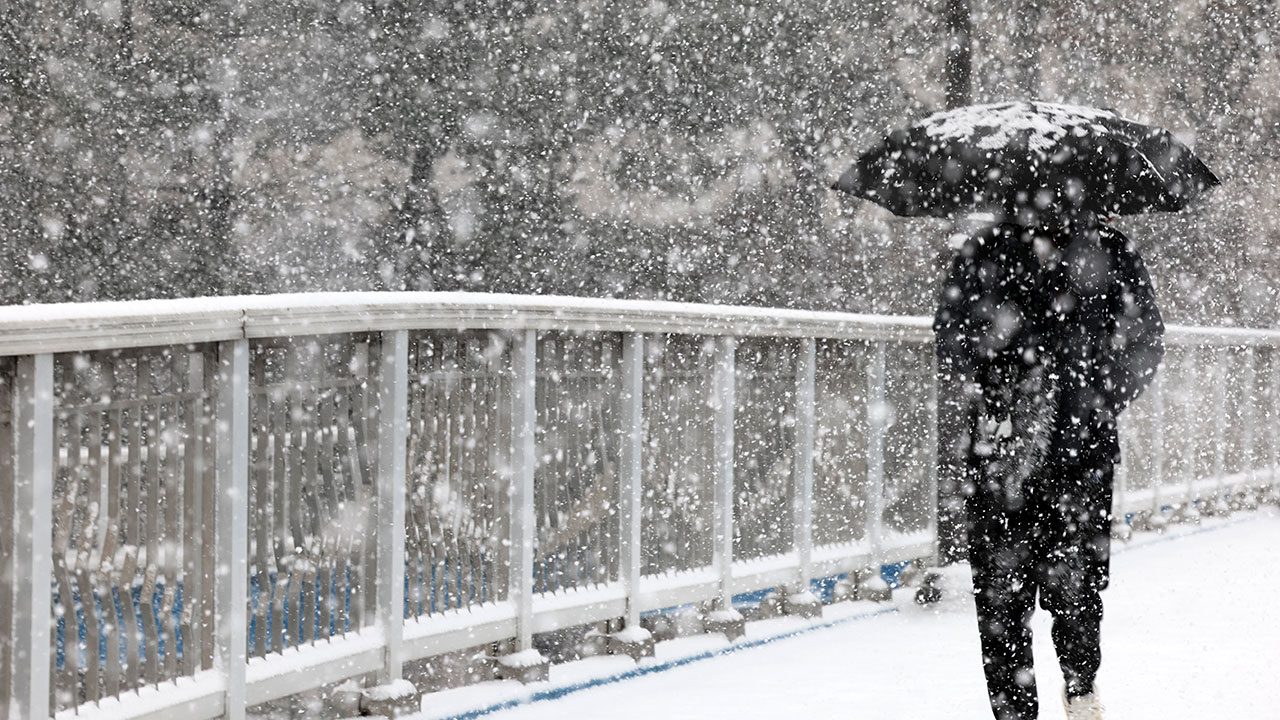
{"x":227,"y":501}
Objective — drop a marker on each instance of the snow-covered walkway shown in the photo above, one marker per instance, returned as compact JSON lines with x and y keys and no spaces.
{"x":1192,"y":631}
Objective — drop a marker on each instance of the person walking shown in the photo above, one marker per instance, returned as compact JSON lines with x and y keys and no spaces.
{"x":1049,"y":323}
{"x":1052,"y":329}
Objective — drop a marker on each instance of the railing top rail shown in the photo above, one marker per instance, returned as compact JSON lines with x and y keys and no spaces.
{"x":71,"y":327}
{"x":1224,"y":336}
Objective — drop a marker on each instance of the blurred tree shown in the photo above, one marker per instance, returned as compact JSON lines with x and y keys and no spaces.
{"x":119,"y":184}
{"x":595,"y":147}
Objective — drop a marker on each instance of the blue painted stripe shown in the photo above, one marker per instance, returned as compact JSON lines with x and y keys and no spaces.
{"x":559,"y":692}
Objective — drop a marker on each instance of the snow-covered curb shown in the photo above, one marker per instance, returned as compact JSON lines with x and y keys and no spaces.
{"x":476,"y":700}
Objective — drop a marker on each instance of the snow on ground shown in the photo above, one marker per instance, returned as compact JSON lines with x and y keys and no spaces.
{"x":1192,"y":630}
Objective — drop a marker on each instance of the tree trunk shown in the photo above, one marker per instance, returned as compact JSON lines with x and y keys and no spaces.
{"x":412,"y":256}
{"x":959,"y":69}
{"x":1026,"y":42}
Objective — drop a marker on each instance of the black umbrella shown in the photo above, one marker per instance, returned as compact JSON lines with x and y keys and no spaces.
{"x":1027,"y":157}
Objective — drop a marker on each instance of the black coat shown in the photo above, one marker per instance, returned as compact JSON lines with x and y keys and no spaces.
{"x":1081,"y":309}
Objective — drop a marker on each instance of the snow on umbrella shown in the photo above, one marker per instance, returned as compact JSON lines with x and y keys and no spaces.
{"x":1027,"y":157}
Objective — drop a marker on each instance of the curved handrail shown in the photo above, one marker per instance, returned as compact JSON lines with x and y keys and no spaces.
{"x":71,"y":327}
{"x":100,"y":325}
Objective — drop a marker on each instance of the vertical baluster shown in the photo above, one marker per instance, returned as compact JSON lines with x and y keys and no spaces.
{"x":260,"y":479}
{"x":486,"y":488}
{"x":114,"y":599}
{"x":501,"y":540}
{"x":279,"y":480}
{"x":342,"y":524}
{"x":152,"y":520}
{"x":64,"y":681}
{"x":64,"y":569}
{"x":706,"y":404}
{"x":392,"y":431}
{"x":292,"y":492}
{"x":99,"y":459}
{"x":334,"y":518}
{"x":440,"y":481}
{"x":421,"y":557}
{"x":77,"y":554}
{"x":367,"y":354}
{"x":574,"y":472}
{"x":556,"y":475}
{"x":457,"y":469}
{"x":483,"y":489}
{"x":171,"y":540}
{"x":193,"y":509}
{"x":477,"y":484}
{"x":803,"y":482}
{"x":33,"y":478}
{"x":89,"y":560}
{"x":610,"y":409}
{"x":554,"y":403}
{"x":132,"y":629}
{"x":8,"y":582}
{"x":413,"y":477}
{"x":568,"y":478}
{"x":462,"y":463}
{"x":349,"y":569}
{"x":312,"y":493}
{"x":231,"y":518}
{"x":209,"y":432}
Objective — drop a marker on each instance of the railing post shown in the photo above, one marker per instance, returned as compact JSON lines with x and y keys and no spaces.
{"x":1273,"y":387}
{"x":1157,"y":520}
{"x":724,"y":400}
{"x":804,"y":458}
{"x":1120,"y":528}
{"x":1219,"y":428}
{"x":630,"y":487}
{"x":634,"y":641}
{"x":33,"y":537}
{"x":802,"y":602}
{"x":873,"y":586}
{"x":527,"y":664}
{"x":725,"y":619}
{"x":936,"y":502}
{"x":393,"y":384}
{"x":1250,"y":417}
{"x":231,"y":519}
{"x":1189,"y":512}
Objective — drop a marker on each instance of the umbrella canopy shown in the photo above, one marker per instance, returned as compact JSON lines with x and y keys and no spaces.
{"x":1021,"y":158}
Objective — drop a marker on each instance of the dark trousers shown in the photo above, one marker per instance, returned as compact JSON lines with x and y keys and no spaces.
{"x":1053,"y":537}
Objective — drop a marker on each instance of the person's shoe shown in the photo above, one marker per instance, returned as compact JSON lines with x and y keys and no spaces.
{"x":1083,"y":707}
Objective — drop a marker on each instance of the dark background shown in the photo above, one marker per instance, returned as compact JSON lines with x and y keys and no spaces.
{"x":676,"y":150}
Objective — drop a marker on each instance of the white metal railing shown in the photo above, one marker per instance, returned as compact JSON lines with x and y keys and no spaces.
{"x":227,"y":501}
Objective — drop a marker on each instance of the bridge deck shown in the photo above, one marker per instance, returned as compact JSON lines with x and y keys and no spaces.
{"x":1192,"y":630}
